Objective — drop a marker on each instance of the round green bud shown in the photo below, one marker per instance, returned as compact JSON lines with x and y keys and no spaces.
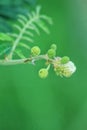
{"x":35,"y":51}
{"x":53,"y":46}
{"x":65,"y":59}
{"x":51,"y":53}
{"x":43,"y":73}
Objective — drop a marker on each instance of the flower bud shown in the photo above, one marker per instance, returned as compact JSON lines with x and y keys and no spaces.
{"x":51,"y":53}
{"x":53,"y":46}
{"x":43,"y":73}
{"x":35,"y":51}
{"x":65,"y":60}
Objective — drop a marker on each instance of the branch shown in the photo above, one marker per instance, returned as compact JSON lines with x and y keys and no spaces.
{"x":25,"y":60}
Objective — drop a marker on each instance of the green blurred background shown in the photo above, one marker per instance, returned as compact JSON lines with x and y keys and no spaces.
{"x":30,"y":103}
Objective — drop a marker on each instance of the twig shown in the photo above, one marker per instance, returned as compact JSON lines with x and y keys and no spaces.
{"x":25,"y":60}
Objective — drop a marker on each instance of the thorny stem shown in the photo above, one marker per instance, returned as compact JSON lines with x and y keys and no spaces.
{"x":25,"y":60}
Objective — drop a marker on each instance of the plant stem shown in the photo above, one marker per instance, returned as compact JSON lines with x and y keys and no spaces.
{"x":25,"y":60}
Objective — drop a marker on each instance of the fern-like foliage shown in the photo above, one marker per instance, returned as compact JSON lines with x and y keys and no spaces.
{"x":23,"y":35}
{"x":9,"y":9}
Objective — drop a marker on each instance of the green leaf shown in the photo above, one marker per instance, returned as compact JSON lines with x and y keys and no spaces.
{"x":5,"y":37}
{"x":17,"y":27}
{"x":24,"y":45}
{"x":43,"y":26}
{"x":5,"y":51}
{"x":48,"y":19}
{"x":27,"y":39}
{"x":29,"y":33}
{"x":23,"y":18}
{"x":32,"y":26}
{"x":19,"y":53}
{"x":21,"y":22}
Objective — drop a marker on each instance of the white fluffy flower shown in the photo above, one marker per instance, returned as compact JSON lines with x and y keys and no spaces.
{"x":68,"y":69}
{"x":65,"y":70}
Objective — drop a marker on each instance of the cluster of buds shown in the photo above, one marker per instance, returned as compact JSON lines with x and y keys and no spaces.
{"x":62,"y":66}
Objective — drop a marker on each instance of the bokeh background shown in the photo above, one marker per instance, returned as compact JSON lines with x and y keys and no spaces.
{"x":30,"y":103}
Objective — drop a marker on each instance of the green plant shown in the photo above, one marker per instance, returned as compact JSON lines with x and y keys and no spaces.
{"x":9,"y":9}
{"x":11,"y":52}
